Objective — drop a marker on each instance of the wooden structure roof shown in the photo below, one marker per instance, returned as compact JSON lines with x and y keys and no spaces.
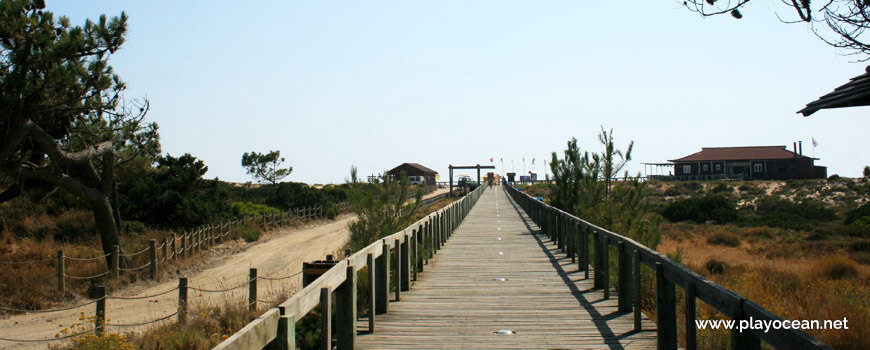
{"x":854,"y":93}
{"x":740,"y":153}
{"x":413,"y":169}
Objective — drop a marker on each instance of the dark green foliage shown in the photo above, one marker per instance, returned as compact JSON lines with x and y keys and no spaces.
{"x":750,"y":189}
{"x":174,"y":195}
{"x":777,"y":212}
{"x":700,"y":210}
{"x":723,"y":238}
{"x":860,"y":246}
{"x":265,"y":167}
{"x":250,"y":209}
{"x":715,"y":266}
{"x":250,"y":233}
{"x":381,"y":207}
{"x":855,"y":215}
{"x":721,"y":187}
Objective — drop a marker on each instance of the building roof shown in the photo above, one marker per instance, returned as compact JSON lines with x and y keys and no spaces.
{"x":415,"y":166}
{"x":854,"y":93}
{"x":740,"y":153}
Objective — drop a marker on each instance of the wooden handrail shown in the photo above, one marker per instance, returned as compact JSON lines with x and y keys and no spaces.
{"x":725,"y":301}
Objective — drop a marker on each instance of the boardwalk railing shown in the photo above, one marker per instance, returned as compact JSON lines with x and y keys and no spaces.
{"x":572,"y":235}
{"x":416,"y":244}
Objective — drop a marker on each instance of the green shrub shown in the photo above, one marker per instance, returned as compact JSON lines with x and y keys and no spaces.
{"x":855,"y":215}
{"x":836,"y":267}
{"x":721,"y":187}
{"x":860,"y":246}
{"x":784,"y":213}
{"x":249,"y":233}
{"x":723,"y":238}
{"x":249,"y":209}
{"x":701,"y":210}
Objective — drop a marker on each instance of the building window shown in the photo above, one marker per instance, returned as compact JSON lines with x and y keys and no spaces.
{"x":718,"y":167}
{"x":687,"y":169}
{"x":758,"y":168}
{"x":705,"y":167}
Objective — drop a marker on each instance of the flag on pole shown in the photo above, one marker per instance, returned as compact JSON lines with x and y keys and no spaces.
{"x":490,"y":159}
{"x":815,"y":143}
{"x":501,"y":159}
{"x":533,"y":160}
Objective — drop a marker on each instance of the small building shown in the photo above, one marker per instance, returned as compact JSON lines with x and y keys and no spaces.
{"x":746,"y":163}
{"x":415,"y":171}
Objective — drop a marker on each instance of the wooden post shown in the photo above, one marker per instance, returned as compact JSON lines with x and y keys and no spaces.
{"x":397,"y":248}
{"x":419,"y":241}
{"x":370,"y":263}
{"x":596,"y":260}
{"x":625,"y":287}
{"x":116,"y":258}
{"x":382,"y":280}
{"x":636,"y":292}
{"x":742,"y":339}
{"x":415,"y":256}
{"x":691,"y":328}
{"x":100,"y":321}
{"x":286,"y":338}
{"x":325,"y":319}
{"x":666,"y":311}
{"x":345,"y":311}
{"x":174,"y":246}
{"x":252,"y":290}
{"x":406,"y":264}
{"x":165,"y":249}
{"x":152,"y":247}
{"x":606,"y":267}
{"x":183,"y":245}
{"x":182,"y":299}
{"x":61,"y":279}
{"x":571,"y":239}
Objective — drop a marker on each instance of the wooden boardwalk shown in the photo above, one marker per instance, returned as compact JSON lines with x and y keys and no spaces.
{"x":498,"y":273}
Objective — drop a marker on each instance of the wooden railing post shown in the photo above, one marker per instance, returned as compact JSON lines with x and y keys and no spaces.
{"x":286,"y":338}
{"x":584,"y":247}
{"x":406,"y":264}
{"x":345,"y":311}
{"x":325,"y":319}
{"x":116,"y":262}
{"x":415,"y":254}
{"x":61,"y":266}
{"x":252,"y":290}
{"x":100,"y":319}
{"x":152,"y":247}
{"x":666,"y":310}
{"x":184,"y":249}
{"x":174,"y":246}
{"x":691,"y":328}
{"x":742,"y":339}
{"x":397,"y":249}
{"x":625,"y":287}
{"x":182,"y":299}
{"x":636,"y":292}
{"x":382,"y":280}
{"x":606,"y":267}
{"x":370,"y":263}
{"x":165,"y":249}
{"x":596,"y":261}
{"x":571,"y":239}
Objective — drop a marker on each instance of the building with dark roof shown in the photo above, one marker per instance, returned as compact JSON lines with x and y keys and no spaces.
{"x":414,"y":169}
{"x":756,"y":162}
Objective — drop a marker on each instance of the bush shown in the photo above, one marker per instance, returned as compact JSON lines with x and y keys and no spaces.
{"x":836,"y":267}
{"x":857,"y":214}
{"x":701,"y":210}
{"x":784,"y":213}
{"x":722,"y":187}
{"x":715,"y":266}
{"x":860,"y":246}
{"x":723,"y":238}
{"x":248,"y":209}
{"x":249,"y":233}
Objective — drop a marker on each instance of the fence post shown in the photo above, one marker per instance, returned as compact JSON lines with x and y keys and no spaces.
{"x":596,"y":260}
{"x":370,"y":263}
{"x":165,"y":248}
{"x":116,"y":258}
{"x":605,"y":262}
{"x":406,"y":264}
{"x":382,"y":279}
{"x":252,"y":290}
{"x":183,"y":245}
{"x":741,"y":340}
{"x":691,"y":330}
{"x":625,"y":287}
{"x":398,"y":280}
{"x":325,"y":319}
{"x":61,"y":266}
{"x":571,"y":240}
{"x":415,"y":253}
{"x":286,"y":338}
{"x":152,"y":247}
{"x":636,"y":292}
{"x":345,"y":311}
{"x":182,"y":299}
{"x":100,"y":321}
{"x":174,"y":248}
{"x":666,"y":310}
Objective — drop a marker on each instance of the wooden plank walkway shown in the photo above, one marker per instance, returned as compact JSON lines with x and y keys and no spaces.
{"x":498,"y":273}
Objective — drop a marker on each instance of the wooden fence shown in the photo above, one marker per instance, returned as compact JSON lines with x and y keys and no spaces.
{"x":572,"y":235}
{"x":409,"y":249}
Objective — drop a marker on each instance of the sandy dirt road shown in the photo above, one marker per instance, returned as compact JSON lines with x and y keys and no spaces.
{"x":279,"y":255}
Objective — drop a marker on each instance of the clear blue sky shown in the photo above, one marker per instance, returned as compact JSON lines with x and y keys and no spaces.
{"x":378,"y":83}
